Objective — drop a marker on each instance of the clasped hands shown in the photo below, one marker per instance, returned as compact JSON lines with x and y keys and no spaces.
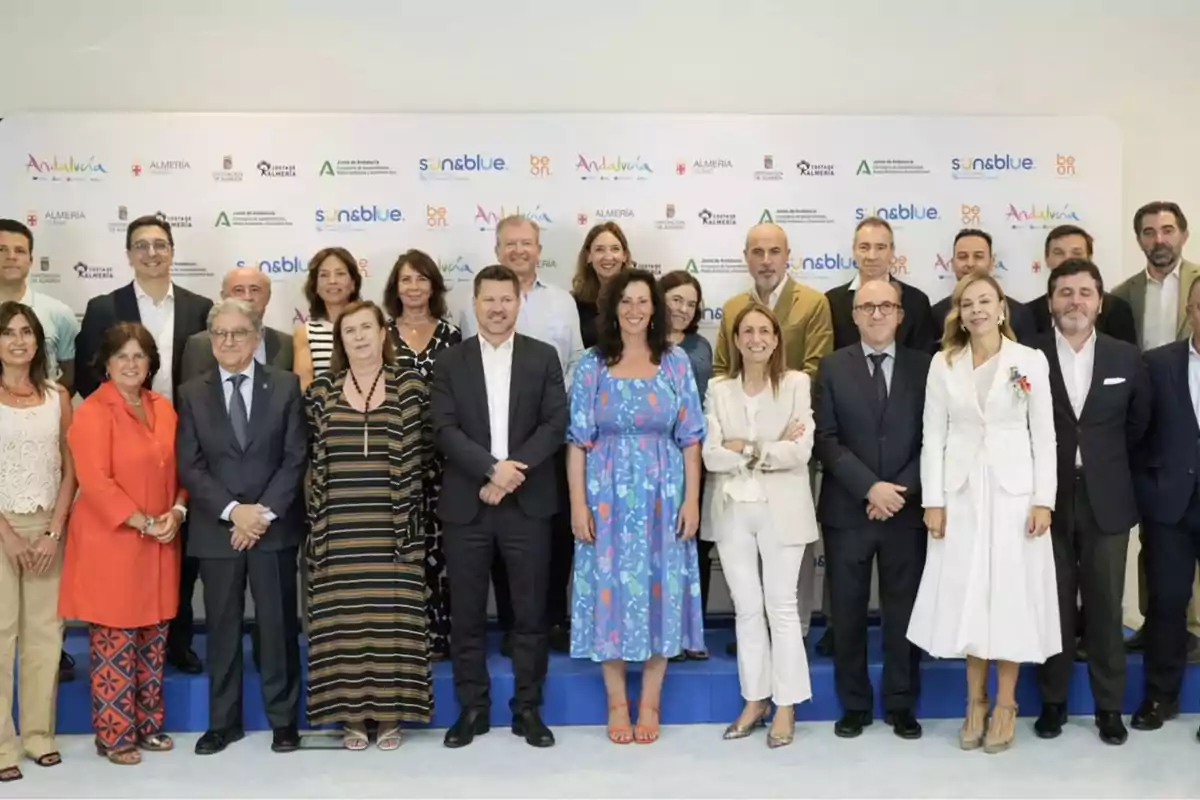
{"x":507,"y":477}
{"x":250,"y":522}
{"x":165,"y":527}
{"x":35,"y":557}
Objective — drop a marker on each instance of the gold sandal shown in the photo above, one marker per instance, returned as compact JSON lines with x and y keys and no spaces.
{"x":974,"y":726}
{"x":157,"y":743}
{"x":1002,"y":731}
{"x":126,"y":756}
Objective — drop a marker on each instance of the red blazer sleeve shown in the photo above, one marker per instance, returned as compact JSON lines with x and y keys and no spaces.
{"x":90,"y":439}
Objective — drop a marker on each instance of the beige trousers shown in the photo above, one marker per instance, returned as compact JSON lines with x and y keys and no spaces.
{"x":31,"y":630}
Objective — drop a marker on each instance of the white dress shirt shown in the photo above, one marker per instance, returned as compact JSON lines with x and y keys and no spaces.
{"x":548,"y":313}
{"x":1194,"y":377}
{"x":889,"y":363}
{"x":247,"y":390}
{"x":260,"y":352}
{"x":773,"y":299}
{"x":1160,"y":317}
{"x":497,"y":376}
{"x":745,"y":487}
{"x":1077,"y":369}
{"x":159,"y":320}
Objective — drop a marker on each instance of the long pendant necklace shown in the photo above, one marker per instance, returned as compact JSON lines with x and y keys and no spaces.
{"x":366,"y":404}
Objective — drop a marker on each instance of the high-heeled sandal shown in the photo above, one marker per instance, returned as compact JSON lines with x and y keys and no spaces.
{"x":355,"y":738}
{"x":775,"y":740}
{"x":970,"y":737}
{"x":157,"y":743}
{"x":1003,"y":729}
{"x":646,"y":734}
{"x":740,"y":731}
{"x":390,"y":739}
{"x":620,"y":734}
{"x":126,"y":756}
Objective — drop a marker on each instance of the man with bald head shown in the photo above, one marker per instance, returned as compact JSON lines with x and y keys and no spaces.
{"x":274,"y":346}
{"x":869,"y":409}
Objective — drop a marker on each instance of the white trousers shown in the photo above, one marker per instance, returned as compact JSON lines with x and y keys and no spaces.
{"x":770,"y":665}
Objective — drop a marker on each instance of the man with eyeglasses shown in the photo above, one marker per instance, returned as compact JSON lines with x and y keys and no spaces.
{"x":172,"y":315}
{"x":274,"y":347}
{"x":973,"y":256}
{"x":869,"y":409}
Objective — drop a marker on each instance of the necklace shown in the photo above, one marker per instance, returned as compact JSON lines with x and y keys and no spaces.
{"x":414,"y":327}
{"x":20,"y":398}
{"x":366,"y":403}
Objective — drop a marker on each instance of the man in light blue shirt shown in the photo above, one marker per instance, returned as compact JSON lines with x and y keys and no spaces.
{"x":58,"y":321}
{"x":548,"y":313}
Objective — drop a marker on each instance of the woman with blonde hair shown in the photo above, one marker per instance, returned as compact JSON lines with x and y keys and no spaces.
{"x":988,"y":483}
{"x":760,"y":507}
{"x":604,"y":254}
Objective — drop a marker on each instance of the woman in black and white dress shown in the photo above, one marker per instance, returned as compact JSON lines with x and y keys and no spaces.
{"x":334,"y":281}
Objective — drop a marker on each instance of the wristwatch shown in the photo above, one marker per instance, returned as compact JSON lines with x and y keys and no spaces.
{"x":54,"y":535}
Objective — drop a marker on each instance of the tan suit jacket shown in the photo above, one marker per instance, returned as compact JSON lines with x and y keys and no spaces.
{"x":804,"y":317}
{"x":1133,"y":291}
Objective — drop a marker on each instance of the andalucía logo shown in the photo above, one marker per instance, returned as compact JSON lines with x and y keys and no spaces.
{"x":486,"y":219}
{"x":898,"y":213}
{"x":250,"y":219}
{"x":944,"y":267}
{"x":458,"y":167}
{"x":67,"y":171}
{"x":990,"y":166}
{"x":350,"y":167}
{"x":727,"y":265}
{"x":1040,"y":216}
{"x":355,"y":218}
{"x":618,"y":169}
{"x":794,"y":216}
{"x":284,"y":265}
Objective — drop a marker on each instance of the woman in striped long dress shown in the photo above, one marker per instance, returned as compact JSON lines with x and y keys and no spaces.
{"x":334,"y":281}
{"x":368,"y":659}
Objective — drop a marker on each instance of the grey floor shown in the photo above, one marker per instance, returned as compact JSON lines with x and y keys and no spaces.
{"x":691,"y":762}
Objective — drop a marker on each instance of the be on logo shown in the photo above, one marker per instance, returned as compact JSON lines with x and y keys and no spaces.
{"x":539,"y":166}
{"x":970,"y":215}
{"x":435,"y":216}
{"x":1065,"y":165}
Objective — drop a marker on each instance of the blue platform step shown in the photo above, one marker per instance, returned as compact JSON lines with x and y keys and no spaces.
{"x":695,"y":692}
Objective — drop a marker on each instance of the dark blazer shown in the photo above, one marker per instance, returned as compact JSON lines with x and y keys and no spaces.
{"x":859,"y":448}
{"x":217,"y":472}
{"x":1167,"y":466}
{"x":537,"y":425}
{"x":120,"y":305}
{"x":1115,"y":417}
{"x":1020,"y":317}
{"x":1115,"y":320}
{"x":916,"y":331}
{"x":198,"y":354}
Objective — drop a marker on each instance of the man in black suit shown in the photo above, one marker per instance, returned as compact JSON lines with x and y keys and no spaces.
{"x":1116,"y":315}
{"x":499,"y":417}
{"x":172,"y":314}
{"x":870,"y":403}
{"x":973,"y":255}
{"x":874,"y":252}
{"x":1167,"y":479}
{"x":1101,"y":412}
{"x":274,"y":346}
{"x":242,"y":449}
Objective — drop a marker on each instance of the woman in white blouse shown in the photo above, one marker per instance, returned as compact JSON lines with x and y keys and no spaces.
{"x":988,"y":481}
{"x":760,"y":436}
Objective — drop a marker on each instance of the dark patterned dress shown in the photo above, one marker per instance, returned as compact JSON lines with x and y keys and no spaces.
{"x":368,"y":653}
{"x":437,"y":583}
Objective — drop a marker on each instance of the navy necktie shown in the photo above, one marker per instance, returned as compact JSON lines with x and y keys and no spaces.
{"x":878,"y":378}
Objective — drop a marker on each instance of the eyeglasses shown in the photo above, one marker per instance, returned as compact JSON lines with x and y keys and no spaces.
{"x":157,"y":246}
{"x":238,"y":335}
{"x":887,"y":309}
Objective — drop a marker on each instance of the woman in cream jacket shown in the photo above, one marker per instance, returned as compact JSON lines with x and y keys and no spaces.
{"x":760,"y":436}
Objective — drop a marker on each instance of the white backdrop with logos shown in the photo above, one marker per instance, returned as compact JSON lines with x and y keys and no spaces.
{"x":270,"y":190}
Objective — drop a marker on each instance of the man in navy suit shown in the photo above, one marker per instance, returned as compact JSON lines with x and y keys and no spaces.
{"x":973,"y":255}
{"x":1167,"y":479}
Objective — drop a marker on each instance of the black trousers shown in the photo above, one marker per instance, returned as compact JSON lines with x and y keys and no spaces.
{"x":470,"y":549}
{"x":849,"y":556}
{"x":272,"y":579}
{"x":179,"y":632}
{"x":1089,"y":563}
{"x":1171,"y":555}
{"x":562,"y":556}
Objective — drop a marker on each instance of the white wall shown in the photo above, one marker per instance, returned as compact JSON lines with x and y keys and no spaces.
{"x":1141,"y":66}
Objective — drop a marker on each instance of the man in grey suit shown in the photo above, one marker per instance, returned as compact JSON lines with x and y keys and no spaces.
{"x":274,"y":347}
{"x":242,"y":452}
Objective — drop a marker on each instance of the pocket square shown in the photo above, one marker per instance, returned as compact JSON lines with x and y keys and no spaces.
{"x":1113,"y":381}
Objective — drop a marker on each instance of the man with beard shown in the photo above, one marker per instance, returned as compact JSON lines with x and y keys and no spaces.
{"x":1101,"y":412}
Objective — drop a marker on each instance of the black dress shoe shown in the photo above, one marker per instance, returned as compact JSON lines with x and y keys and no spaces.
{"x":286,"y":739}
{"x":852,"y":723}
{"x":1151,"y":715}
{"x":528,"y":723}
{"x":560,"y":638}
{"x":1049,"y":724}
{"x":1112,"y":729}
{"x":825,"y":645}
{"x":1136,"y":642}
{"x":904,"y":724}
{"x":66,"y":668}
{"x":506,"y":644}
{"x":471,"y":723}
{"x":185,"y":661}
{"x":731,"y":648}
{"x":214,"y":742}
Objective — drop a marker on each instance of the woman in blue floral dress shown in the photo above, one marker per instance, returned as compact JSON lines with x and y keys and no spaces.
{"x":634,"y":472}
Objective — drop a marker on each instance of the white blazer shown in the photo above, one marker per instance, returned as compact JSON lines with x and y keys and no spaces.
{"x":783,"y":465}
{"x":1013,"y":433}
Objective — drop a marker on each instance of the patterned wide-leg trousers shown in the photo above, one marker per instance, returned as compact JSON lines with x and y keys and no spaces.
{"x":127,"y":677}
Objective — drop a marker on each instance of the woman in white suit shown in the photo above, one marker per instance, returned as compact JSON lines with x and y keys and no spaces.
{"x":988,"y":481}
{"x":759,"y":440}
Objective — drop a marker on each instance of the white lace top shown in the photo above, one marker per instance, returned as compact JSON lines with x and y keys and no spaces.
{"x":30,"y":458}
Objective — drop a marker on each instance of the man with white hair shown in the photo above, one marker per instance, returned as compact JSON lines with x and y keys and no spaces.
{"x":274,"y":347}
